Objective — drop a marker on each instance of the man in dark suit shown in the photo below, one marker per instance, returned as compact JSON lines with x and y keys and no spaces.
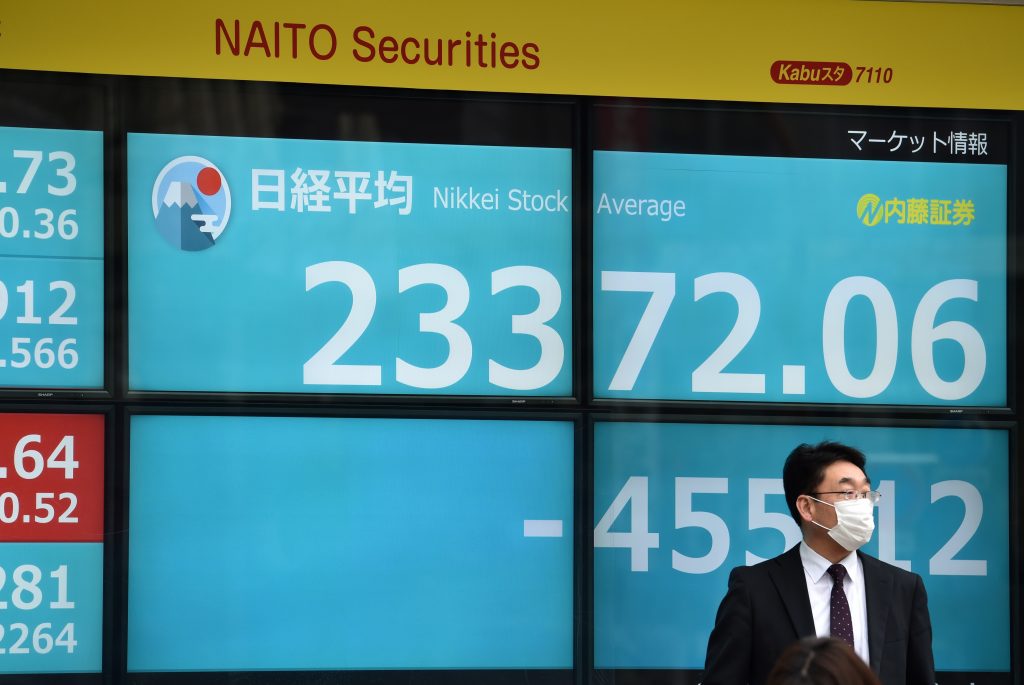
{"x":824,"y":586}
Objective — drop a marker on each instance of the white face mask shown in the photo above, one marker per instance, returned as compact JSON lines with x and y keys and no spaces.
{"x":855,"y":521}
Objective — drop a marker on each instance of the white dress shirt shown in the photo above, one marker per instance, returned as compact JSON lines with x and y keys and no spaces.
{"x":819,"y":590}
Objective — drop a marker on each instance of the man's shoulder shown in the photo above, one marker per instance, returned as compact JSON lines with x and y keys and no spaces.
{"x":875,"y":565}
{"x":788,"y":560}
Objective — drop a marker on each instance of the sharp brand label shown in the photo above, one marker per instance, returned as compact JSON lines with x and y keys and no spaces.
{"x":811,"y":73}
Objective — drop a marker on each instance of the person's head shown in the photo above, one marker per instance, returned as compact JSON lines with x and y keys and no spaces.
{"x":820,"y":661}
{"x":818,"y":477}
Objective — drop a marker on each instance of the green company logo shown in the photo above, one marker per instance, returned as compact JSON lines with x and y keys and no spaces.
{"x":869,"y":209}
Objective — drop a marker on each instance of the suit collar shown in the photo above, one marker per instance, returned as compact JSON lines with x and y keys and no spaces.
{"x":787,"y":573}
{"x":877,"y":591}
{"x":816,"y":566}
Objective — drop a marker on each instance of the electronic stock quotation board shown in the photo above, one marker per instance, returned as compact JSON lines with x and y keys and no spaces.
{"x":817,"y":260}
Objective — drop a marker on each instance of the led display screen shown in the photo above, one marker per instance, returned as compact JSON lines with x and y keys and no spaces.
{"x":271,"y":265}
{"x":877,"y":276}
{"x":677,"y":506}
{"x":317,"y":544}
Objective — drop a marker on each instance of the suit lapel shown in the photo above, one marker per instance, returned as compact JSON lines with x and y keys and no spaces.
{"x":877,"y":591}
{"x":787,"y":573}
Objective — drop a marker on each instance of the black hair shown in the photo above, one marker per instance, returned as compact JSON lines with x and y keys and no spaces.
{"x":805,"y":468}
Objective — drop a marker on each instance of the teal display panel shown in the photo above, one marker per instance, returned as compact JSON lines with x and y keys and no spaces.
{"x":786,"y":279}
{"x":325,"y":266}
{"x":677,"y":506}
{"x":51,"y":258}
{"x":53,"y":618}
{"x":271,"y":543}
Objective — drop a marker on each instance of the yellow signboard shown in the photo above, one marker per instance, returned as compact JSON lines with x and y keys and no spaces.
{"x":814,"y":51}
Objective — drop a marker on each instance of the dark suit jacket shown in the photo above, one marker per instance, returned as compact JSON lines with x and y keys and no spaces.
{"x":766,"y":609}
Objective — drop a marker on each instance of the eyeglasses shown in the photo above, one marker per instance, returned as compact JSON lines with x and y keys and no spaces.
{"x":871,"y":495}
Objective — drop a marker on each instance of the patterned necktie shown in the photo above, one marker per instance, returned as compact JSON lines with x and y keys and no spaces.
{"x":839,"y":608}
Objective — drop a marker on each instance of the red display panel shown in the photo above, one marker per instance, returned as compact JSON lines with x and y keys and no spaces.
{"x":51,"y":478}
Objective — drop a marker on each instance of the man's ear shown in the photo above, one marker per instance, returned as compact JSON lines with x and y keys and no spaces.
{"x":803,"y":507}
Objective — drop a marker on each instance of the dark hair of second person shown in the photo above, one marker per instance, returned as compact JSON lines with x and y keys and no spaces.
{"x":820,"y":661}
